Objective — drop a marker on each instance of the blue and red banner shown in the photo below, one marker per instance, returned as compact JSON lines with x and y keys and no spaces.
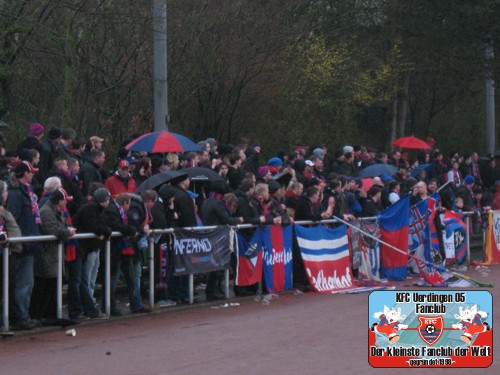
{"x":325,"y":253}
{"x":249,"y":259}
{"x":454,"y":236}
{"x":394,"y":229}
{"x":277,"y":242}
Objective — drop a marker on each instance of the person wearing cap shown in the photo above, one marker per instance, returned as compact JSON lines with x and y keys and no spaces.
{"x":50,"y":144}
{"x":308,"y":172}
{"x":23,"y":205}
{"x":122,"y":180}
{"x":86,"y":220}
{"x":92,"y":170}
{"x":34,"y":139}
{"x":96,"y":142}
{"x":44,"y":301}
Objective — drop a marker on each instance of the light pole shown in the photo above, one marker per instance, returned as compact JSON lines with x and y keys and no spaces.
{"x":160,"y":86}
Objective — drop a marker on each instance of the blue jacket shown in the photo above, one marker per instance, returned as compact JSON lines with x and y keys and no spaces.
{"x":20,"y":207}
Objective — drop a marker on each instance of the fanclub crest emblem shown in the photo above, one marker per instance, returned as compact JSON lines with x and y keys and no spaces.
{"x":430,"y":328}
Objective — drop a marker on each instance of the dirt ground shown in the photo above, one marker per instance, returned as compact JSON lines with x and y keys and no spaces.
{"x":294,"y":334}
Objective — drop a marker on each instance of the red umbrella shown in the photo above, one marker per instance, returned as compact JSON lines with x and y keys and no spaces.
{"x":411,"y":142}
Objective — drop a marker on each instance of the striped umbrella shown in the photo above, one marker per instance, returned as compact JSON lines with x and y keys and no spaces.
{"x":161,"y":142}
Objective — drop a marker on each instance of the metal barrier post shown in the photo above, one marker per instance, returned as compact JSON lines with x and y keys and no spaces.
{"x":468,"y":219}
{"x":59,"y":279}
{"x":5,"y":294}
{"x":191,"y":288}
{"x":226,"y":281}
{"x":107,"y":276}
{"x":151,"y":258}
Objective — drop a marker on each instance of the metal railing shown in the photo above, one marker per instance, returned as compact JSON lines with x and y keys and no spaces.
{"x":107,"y":265}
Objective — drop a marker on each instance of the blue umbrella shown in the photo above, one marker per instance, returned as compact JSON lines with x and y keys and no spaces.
{"x":377,"y":169}
{"x":426,"y":167}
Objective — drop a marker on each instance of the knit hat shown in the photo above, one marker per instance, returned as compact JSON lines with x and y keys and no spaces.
{"x":347,"y":149}
{"x":101,"y":195}
{"x":263,"y":171}
{"x":411,"y":181}
{"x":54,"y":133}
{"x":274,"y":186}
{"x":319,"y":153}
{"x":36,"y":129}
{"x":275,"y":162}
{"x":310,"y":163}
{"x":469,"y":180}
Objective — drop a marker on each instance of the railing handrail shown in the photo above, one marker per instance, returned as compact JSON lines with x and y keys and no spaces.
{"x":153,"y":232}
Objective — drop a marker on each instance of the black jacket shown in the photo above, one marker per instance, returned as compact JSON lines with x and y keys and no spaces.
{"x":89,"y":173}
{"x":214,"y":212}
{"x":184,"y":206}
{"x":86,"y":220}
{"x":111,"y":218}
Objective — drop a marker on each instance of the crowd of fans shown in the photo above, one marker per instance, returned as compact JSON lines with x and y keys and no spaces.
{"x":57,"y":183}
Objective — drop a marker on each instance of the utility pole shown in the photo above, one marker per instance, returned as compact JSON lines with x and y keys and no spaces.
{"x":490,"y":98}
{"x":160,"y":86}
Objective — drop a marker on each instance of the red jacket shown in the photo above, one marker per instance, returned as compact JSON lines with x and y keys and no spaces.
{"x":116,"y":185}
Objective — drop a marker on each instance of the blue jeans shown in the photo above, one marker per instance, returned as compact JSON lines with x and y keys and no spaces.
{"x":132,"y":269}
{"x":78,"y":295}
{"x":90,"y":266}
{"x":22,"y":281}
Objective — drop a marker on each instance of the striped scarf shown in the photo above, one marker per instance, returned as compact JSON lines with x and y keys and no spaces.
{"x":70,"y":244}
{"x":124,"y":243}
{"x":34,"y":205}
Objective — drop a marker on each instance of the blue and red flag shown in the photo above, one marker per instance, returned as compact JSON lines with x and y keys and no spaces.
{"x":394,"y":229}
{"x":454,"y":236}
{"x":435,"y":249}
{"x":277,"y":242}
{"x":249,"y":259}
{"x":418,"y":240}
{"x":325,"y":253}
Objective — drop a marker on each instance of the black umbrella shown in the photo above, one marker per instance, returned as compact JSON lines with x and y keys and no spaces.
{"x":199,"y":174}
{"x":283,"y":178}
{"x":161,"y":178}
{"x":377,"y":169}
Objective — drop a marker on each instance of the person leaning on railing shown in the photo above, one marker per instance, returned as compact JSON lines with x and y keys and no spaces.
{"x":44,"y":301}
{"x":115,"y":217}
